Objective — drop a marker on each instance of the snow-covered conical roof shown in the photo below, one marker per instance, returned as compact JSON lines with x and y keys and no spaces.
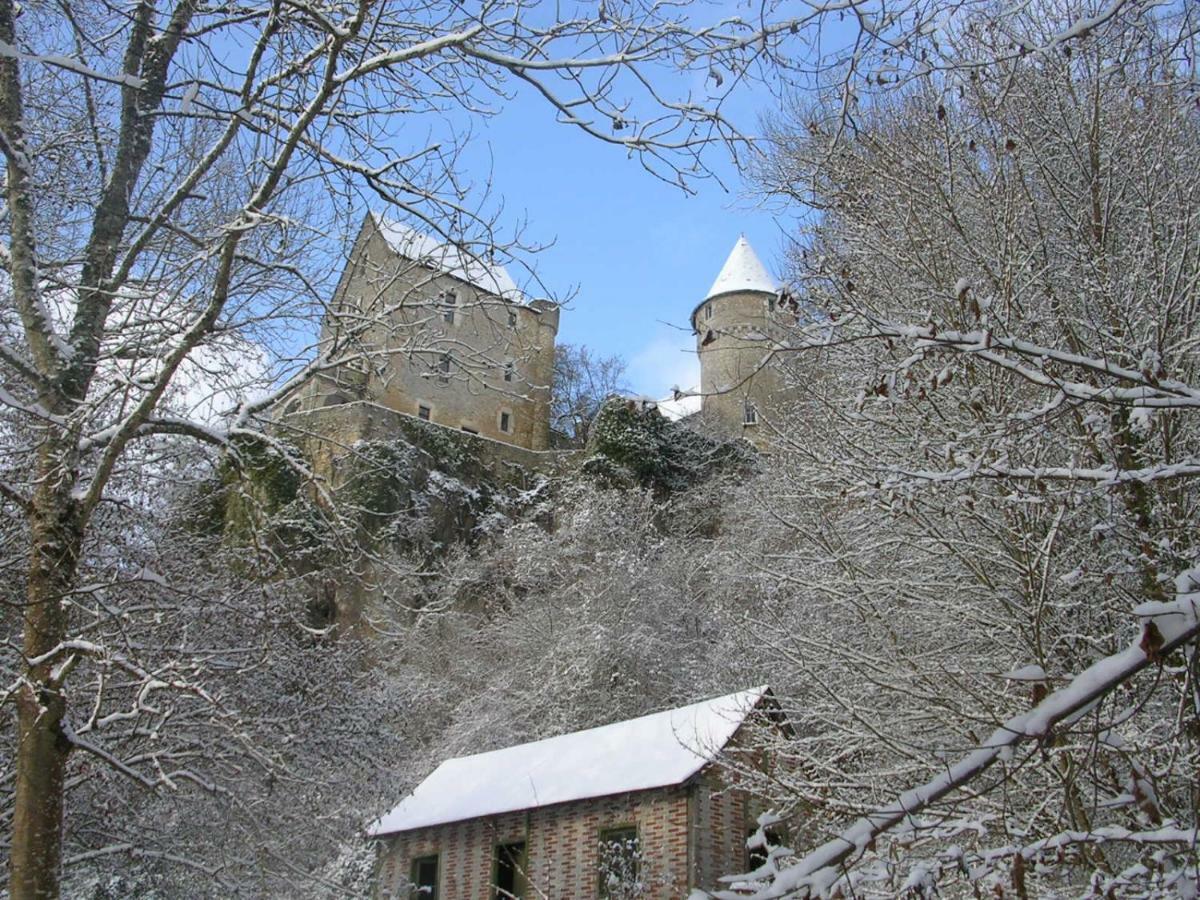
{"x":743,"y":271}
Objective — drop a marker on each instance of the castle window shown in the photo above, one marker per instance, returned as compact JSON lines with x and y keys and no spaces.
{"x":444,"y":368}
{"x":425,"y":877}
{"x":449,"y":302}
{"x":510,"y":370}
{"x":512,"y":318}
{"x":771,"y":303}
{"x":620,"y":862}
{"x":708,"y":310}
{"x":506,"y":422}
{"x":749,"y":414}
{"x":423,"y":412}
{"x":708,"y":338}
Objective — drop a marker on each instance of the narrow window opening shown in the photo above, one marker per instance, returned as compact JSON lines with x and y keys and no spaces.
{"x":620,"y":863}
{"x":708,"y":339}
{"x":425,"y":877}
{"x":512,"y":318}
{"x":510,"y":371}
{"x":423,"y":412}
{"x":708,"y":311}
{"x":749,"y":414}
{"x":444,"y":368}
{"x":505,"y":422}
{"x":510,"y":871}
{"x":449,"y":302}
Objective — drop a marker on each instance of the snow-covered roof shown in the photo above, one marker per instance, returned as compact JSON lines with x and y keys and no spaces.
{"x":743,"y":271}
{"x":687,"y":404}
{"x":449,"y":258}
{"x":658,"y":750}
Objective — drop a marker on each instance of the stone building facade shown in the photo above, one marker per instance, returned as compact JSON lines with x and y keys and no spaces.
{"x":738,"y":326}
{"x":431,"y":330}
{"x":581,"y":840}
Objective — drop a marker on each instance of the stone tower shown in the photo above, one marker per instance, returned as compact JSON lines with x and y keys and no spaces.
{"x":735,"y":327}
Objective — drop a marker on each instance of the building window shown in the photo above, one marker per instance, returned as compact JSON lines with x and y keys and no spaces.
{"x":512,"y":318}
{"x":708,"y":338}
{"x":425,"y":877}
{"x":510,"y":371}
{"x":620,"y":863}
{"x":708,"y":310}
{"x":771,"y":303}
{"x":449,"y":302}
{"x":444,"y":368}
{"x":509,"y":881}
{"x":749,"y":414}
{"x":757,"y":853}
{"x":424,"y":412}
{"x":506,"y":422}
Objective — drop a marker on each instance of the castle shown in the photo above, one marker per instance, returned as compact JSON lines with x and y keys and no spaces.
{"x":430,"y":330}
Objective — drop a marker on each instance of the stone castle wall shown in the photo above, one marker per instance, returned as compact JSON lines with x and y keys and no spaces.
{"x":428,"y":344}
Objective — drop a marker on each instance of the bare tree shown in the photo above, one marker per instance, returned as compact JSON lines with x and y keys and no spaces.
{"x":582,"y":382}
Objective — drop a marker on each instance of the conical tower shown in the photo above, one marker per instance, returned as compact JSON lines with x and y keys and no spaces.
{"x":733,"y":326}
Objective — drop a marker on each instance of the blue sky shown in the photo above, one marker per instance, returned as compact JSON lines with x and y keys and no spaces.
{"x":639,"y":252}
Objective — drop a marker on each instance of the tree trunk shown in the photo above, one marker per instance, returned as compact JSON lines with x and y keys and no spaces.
{"x":42,"y":746}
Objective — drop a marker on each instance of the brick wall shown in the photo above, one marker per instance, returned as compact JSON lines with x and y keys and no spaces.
{"x":562,"y":848}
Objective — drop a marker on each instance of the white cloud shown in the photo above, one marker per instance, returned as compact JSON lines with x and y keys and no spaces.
{"x":667,"y":360}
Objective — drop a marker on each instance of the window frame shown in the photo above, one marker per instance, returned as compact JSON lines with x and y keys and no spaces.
{"x":749,"y":413}
{"x":512,"y":421}
{"x":444,"y":366}
{"x":607,"y":835}
{"x":437,"y":875}
{"x":521,"y":867}
{"x":449,"y":303}
{"x":428,"y":410}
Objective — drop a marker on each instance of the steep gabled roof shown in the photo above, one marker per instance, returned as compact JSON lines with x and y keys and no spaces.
{"x":658,"y":750}
{"x":743,"y":271}
{"x":448,"y":258}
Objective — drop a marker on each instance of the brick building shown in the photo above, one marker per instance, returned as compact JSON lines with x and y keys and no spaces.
{"x":633,"y":809}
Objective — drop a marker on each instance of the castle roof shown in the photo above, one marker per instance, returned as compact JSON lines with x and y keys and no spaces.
{"x":449,"y":258}
{"x":743,"y":271}
{"x":659,"y":750}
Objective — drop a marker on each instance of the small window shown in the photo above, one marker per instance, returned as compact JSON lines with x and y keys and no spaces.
{"x":423,"y":412}
{"x":708,"y":310}
{"x":444,"y":368}
{"x":758,"y":854}
{"x":512,"y":318}
{"x":506,"y":422}
{"x":510,"y":871}
{"x":771,"y":303}
{"x":620,"y":863}
{"x":510,"y":371}
{"x":708,"y":338}
{"x":469,"y":430}
{"x":425,"y":877}
{"x":749,"y":414}
{"x":449,"y":302}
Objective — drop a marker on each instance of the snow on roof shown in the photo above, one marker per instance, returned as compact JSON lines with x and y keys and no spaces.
{"x":688,"y":403}
{"x":743,"y":271}
{"x":449,"y":258}
{"x":658,"y":750}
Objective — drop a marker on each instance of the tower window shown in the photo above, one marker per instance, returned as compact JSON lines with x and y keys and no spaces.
{"x":708,"y":338}
{"x":449,"y":302}
{"x":512,"y":318}
{"x":444,"y":368}
{"x":708,"y":310}
{"x":506,"y":422}
{"x":423,"y":412}
{"x":749,"y":414}
{"x":510,"y":370}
